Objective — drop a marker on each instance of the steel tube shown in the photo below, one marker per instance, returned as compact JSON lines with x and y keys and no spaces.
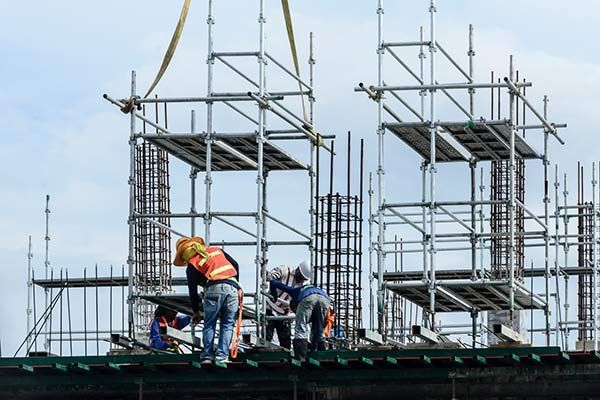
{"x":136,"y":115}
{"x":405,"y":44}
{"x":458,"y":67}
{"x":287,"y":71}
{"x":381,"y":327}
{"x":447,"y":86}
{"x":131,"y":220}
{"x":432,"y":168}
{"x":514,"y":89}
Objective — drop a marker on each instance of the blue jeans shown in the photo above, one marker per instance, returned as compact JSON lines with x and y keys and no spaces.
{"x":220,"y":300}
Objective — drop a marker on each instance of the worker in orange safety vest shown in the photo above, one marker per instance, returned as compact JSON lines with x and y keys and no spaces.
{"x":217,"y":272}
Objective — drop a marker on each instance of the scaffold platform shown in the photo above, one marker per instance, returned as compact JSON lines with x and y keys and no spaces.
{"x":230,"y":152}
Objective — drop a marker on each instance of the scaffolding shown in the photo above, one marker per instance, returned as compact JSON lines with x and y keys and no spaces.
{"x":493,"y":231}
{"x":217,"y":149}
{"x":501,"y":226}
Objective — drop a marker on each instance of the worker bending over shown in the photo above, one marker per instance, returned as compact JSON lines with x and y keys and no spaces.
{"x":217,"y":272}
{"x":164,"y":317}
{"x":280,"y":305}
{"x":313,"y":307}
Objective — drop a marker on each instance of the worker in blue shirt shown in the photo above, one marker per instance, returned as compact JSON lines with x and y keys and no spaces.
{"x":313,"y":307}
{"x":166,"y":317}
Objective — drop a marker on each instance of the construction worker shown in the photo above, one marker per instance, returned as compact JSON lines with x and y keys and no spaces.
{"x":164,"y":317}
{"x":280,"y":305}
{"x":313,"y":308}
{"x":217,"y":272}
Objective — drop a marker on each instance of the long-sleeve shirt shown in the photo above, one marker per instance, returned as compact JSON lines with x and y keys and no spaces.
{"x":280,"y":305}
{"x":297,"y":293}
{"x":196,"y":278}
{"x":155,"y":339}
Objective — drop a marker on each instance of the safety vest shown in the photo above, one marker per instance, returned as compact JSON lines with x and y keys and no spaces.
{"x":163,"y":323}
{"x":216,"y":267}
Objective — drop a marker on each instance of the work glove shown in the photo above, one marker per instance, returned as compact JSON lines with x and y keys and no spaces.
{"x":173,"y":348}
{"x":196,"y":317}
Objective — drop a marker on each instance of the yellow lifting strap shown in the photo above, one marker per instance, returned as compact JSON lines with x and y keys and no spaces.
{"x":290,"y":32}
{"x":172,"y":46}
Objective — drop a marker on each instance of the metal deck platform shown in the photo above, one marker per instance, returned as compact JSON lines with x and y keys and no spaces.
{"x":467,"y":295}
{"x":484,"y":141}
{"x":490,"y":140}
{"x":413,"y":275}
{"x":417,"y":137}
{"x":229,"y":152}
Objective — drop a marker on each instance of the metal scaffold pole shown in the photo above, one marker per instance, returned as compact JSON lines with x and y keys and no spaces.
{"x":47,"y":294}
{"x":512,"y":193}
{"x":30,"y":289}
{"x":380,"y":175}
{"x":594,"y":258}
{"x":566,"y":258}
{"x":131,"y":220}
{"x":432,"y":162}
{"x":546,"y":164}
{"x":193,"y":178}
{"x":314,"y":149}
{"x":210,"y":61}
{"x":261,"y":275}
{"x":371,"y":271}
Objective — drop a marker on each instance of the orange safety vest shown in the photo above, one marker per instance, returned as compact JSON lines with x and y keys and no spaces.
{"x":214,"y":268}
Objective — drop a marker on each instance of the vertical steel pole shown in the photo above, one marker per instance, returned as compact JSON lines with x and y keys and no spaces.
{"x":422,"y":56}
{"x":424,"y":208}
{"x":432,"y":162}
{"x":566,"y":255}
{"x":424,"y":212}
{"x":471,"y":54}
{"x":473,"y":169}
{"x":47,"y":263}
{"x":29,"y":291}
{"x":314,"y":148}
{"x":547,"y":275}
{"x":193,"y":177}
{"x":260,"y":181}
{"x":512,"y":194}
{"x":210,"y":61}
{"x":371,"y":278}
{"x":131,"y":219}
{"x":481,"y":223}
{"x":594,"y":258}
{"x":380,"y":176}
{"x":556,"y":248}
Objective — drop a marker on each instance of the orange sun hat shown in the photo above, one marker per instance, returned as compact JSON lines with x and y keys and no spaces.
{"x":182,"y":245}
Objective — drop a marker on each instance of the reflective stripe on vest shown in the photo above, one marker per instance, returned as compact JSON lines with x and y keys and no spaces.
{"x":215,"y":268}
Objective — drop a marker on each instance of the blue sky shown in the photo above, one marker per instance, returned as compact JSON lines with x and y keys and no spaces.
{"x":59,"y":137}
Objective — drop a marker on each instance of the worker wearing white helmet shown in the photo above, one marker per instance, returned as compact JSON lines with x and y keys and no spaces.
{"x":280,"y":306}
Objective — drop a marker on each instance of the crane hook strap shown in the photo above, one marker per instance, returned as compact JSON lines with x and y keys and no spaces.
{"x":172,"y":46}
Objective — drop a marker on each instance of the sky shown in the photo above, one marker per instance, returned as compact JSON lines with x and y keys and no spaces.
{"x":59,"y":137}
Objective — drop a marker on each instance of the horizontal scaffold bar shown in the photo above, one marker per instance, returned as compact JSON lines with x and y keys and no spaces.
{"x":446,"y":86}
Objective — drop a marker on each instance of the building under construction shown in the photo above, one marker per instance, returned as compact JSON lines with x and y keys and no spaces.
{"x":497,"y":324}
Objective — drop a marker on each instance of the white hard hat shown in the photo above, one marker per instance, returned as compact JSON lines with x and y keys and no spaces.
{"x":305,"y":269}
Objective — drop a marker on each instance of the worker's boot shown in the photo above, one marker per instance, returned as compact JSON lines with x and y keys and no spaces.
{"x":300,"y":349}
{"x":321,"y":346}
